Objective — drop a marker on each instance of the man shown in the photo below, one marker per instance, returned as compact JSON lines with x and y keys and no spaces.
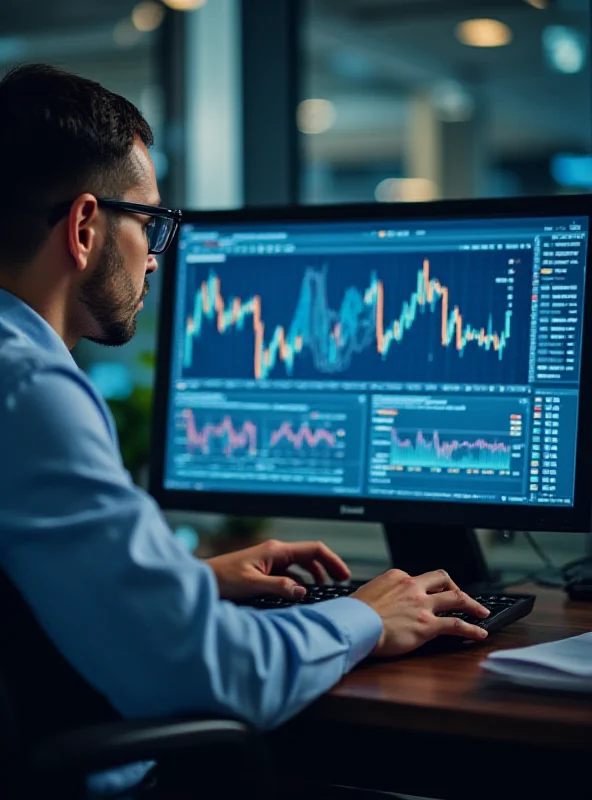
{"x":143,"y":624}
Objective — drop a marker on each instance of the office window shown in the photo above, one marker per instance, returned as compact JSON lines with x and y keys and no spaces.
{"x":425,"y":99}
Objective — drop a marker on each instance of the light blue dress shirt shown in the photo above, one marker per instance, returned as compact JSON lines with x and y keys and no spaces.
{"x":123,"y":601}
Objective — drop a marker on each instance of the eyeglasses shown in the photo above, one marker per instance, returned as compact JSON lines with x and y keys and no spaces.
{"x":160,"y":231}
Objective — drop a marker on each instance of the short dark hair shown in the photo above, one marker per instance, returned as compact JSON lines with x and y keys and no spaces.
{"x":60,"y":135}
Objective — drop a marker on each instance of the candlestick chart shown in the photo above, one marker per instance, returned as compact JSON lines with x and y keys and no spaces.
{"x":405,"y":317}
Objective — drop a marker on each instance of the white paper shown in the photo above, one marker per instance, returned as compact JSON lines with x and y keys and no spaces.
{"x":563,"y":664}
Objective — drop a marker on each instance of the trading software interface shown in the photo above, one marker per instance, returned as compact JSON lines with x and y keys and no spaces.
{"x":435,"y":360}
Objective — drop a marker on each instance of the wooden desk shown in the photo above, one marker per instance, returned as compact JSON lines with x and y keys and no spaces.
{"x":435,"y":725}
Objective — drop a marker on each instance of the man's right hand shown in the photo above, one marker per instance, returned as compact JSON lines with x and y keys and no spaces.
{"x":408,"y":607}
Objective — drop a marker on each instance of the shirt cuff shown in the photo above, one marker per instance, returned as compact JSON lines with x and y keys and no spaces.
{"x":360,"y":623}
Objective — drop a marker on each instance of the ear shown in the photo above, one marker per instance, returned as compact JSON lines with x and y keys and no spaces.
{"x":83,"y":223}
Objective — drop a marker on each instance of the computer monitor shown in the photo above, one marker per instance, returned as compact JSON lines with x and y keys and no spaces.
{"x":421,"y":365}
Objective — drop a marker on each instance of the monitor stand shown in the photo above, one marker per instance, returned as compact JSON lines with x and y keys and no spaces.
{"x":422,"y":548}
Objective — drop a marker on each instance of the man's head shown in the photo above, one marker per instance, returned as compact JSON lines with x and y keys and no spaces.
{"x":67,"y":143}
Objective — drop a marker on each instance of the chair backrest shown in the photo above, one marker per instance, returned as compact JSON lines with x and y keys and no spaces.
{"x":43,"y":693}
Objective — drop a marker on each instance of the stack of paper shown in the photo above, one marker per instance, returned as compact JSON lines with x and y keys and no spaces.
{"x":565,"y":664}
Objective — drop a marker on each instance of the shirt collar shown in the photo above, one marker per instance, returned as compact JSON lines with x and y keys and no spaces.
{"x":15,"y":313}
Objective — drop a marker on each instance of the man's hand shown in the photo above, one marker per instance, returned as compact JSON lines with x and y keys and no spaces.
{"x":264,"y":569}
{"x":408,"y":607}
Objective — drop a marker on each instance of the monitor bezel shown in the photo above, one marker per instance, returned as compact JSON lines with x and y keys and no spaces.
{"x":475,"y":515}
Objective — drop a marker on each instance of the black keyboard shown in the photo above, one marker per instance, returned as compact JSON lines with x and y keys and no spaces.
{"x":504,"y":608}
{"x":315,"y":593}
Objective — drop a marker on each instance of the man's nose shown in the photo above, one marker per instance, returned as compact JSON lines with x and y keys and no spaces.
{"x":152,"y":264}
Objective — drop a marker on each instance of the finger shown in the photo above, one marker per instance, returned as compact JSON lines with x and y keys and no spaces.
{"x":453,"y":626}
{"x":437,"y":581}
{"x":296,"y":574}
{"x":304,"y":553}
{"x":318,"y":571}
{"x":457,"y":601}
{"x":280,"y":585}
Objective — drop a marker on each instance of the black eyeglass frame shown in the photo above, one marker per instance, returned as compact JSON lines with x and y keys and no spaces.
{"x":173,"y":214}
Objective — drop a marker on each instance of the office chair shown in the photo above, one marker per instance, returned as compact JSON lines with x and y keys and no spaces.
{"x":46,"y":744}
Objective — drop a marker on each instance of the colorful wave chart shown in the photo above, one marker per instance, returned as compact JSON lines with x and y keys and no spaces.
{"x":304,"y":435}
{"x":245,"y":436}
{"x":200,"y":439}
{"x":334,"y":337}
{"x":434,"y":452}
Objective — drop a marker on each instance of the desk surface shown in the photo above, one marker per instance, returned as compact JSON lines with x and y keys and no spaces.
{"x":449,"y":693}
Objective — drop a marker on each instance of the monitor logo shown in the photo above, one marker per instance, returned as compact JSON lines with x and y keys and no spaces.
{"x":352,"y":511}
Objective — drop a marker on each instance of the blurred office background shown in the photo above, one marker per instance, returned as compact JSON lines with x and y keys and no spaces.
{"x":326,"y":101}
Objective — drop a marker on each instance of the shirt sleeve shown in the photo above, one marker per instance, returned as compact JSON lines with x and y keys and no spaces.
{"x":130,"y":609}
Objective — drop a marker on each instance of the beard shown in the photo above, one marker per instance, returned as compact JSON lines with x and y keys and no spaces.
{"x":110,"y":296}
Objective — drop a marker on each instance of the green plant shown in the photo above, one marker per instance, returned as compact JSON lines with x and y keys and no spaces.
{"x":133,"y":420}
{"x":243,"y":527}
{"x":236,"y":533}
{"x":133,"y":415}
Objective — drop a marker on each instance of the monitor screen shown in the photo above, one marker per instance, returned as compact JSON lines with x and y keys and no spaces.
{"x":428,"y":360}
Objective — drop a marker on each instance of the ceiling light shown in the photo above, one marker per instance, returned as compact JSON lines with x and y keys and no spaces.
{"x":148,"y":16}
{"x":315,"y":115}
{"x":184,"y":5}
{"x":405,"y":190}
{"x":540,"y":4}
{"x":483,"y":33}
{"x":565,"y":49}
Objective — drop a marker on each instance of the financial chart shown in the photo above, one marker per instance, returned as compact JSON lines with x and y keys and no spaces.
{"x":313,"y":442}
{"x":423,"y":438}
{"x":404,"y":317}
{"x":435,"y":450}
{"x":431,"y":361}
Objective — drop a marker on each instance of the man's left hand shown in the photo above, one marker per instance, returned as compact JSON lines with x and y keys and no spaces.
{"x":265,"y":569}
